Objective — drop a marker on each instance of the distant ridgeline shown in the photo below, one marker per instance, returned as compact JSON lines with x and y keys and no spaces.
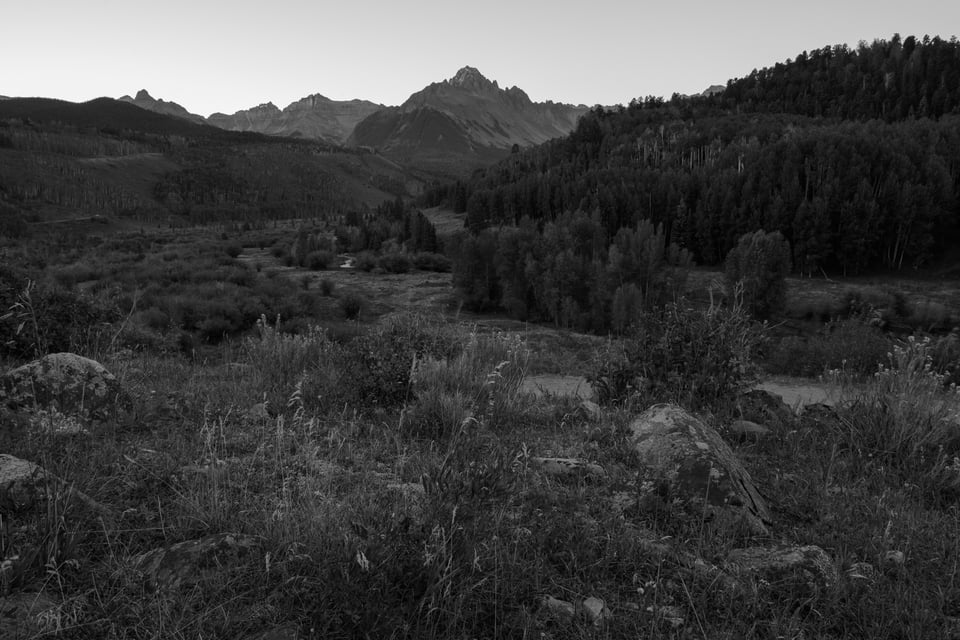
{"x":853,"y":154}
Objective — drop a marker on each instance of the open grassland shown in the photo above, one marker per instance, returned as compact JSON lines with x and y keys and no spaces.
{"x":393,"y":487}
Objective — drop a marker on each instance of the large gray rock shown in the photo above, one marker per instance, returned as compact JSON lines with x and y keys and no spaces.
{"x":690,"y":460}
{"x":71,"y":384}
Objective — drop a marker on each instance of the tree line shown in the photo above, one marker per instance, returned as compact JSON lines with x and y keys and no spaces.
{"x":867,"y":180}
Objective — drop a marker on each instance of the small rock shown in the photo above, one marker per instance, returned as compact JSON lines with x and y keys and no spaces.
{"x":894,"y":558}
{"x":258,"y":412}
{"x":591,"y":410}
{"x":862,"y":571}
{"x":556,"y":608}
{"x":596,"y":610}
{"x":745,"y":429}
{"x":765,"y":407}
{"x":564,"y":467}
{"x":670,"y":614}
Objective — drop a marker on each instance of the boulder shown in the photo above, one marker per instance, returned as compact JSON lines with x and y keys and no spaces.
{"x":189,"y":562}
{"x":71,"y":384}
{"x":684,"y":458}
{"x":809,"y":563}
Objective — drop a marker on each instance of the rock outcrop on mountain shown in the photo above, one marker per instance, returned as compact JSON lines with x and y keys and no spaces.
{"x":315,"y":116}
{"x":467,"y":118}
{"x":145,"y":101}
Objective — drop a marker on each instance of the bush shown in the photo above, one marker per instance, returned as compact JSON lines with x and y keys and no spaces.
{"x":905,"y":417}
{"x":757,"y":269}
{"x":38,"y":319}
{"x":319,"y":260}
{"x":233,"y":250}
{"x":427,"y":261}
{"x":351,"y":304}
{"x":395,"y":262}
{"x":482,"y":382}
{"x":365,"y":261}
{"x":694,"y":357}
{"x":378,"y":365}
{"x":326,"y":287}
{"x":851,"y":345}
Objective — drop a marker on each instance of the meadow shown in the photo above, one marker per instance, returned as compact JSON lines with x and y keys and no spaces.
{"x":378,"y":470}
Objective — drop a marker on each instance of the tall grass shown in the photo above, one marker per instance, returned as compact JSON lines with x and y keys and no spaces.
{"x":481,"y":382}
{"x":906,"y":417}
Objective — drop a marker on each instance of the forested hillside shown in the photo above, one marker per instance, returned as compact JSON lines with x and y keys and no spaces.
{"x":853,"y":154}
{"x":112,"y":160}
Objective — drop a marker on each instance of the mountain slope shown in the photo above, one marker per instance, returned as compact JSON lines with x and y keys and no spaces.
{"x":115,"y":161}
{"x":467,"y":119}
{"x":145,"y":101}
{"x":316,"y":117}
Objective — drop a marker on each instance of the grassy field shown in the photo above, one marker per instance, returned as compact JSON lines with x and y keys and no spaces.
{"x":378,"y":475}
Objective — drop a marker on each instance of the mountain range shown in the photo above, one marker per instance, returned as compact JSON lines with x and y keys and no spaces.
{"x":451,"y":126}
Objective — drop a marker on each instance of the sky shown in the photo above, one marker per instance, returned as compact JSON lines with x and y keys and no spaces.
{"x":226,"y":56}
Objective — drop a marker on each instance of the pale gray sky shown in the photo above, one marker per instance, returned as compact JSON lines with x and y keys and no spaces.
{"x":225,"y":56}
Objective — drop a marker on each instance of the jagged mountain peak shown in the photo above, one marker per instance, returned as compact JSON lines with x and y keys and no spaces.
{"x":471,"y":79}
{"x":143,"y":94}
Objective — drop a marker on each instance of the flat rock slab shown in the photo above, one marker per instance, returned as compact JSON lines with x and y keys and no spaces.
{"x":74,"y":385}
{"x":691,"y":461}
{"x":189,"y":562}
{"x":799,"y":393}
{"x":810,"y":563}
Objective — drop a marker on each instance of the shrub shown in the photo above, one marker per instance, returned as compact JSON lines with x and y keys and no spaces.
{"x":428,"y":261}
{"x":757,"y":269}
{"x":40,"y":319}
{"x":482,"y":382}
{"x":365,"y":261}
{"x":233,"y":250}
{"x":904,"y":416}
{"x":852,"y":345}
{"x":395,"y":262}
{"x":696,"y":357}
{"x":351,"y":304}
{"x":326,"y":287}
{"x":378,"y":365}
{"x":319,"y":260}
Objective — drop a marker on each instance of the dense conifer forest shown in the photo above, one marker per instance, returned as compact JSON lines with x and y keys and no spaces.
{"x":852,"y":154}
